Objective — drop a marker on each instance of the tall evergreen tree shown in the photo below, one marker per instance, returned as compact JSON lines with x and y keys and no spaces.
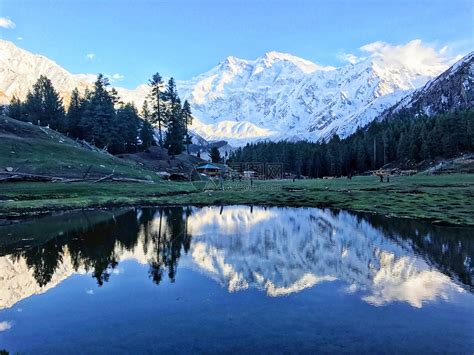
{"x":74,"y":114}
{"x":44,"y":106}
{"x":97,"y":122}
{"x":215,"y":155}
{"x":32,"y":111}
{"x":126,"y":127}
{"x":158,"y":118}
{"x":403,"y":150}
{"x":174,"y":117}
{"x":15,"y":109}
{"x":188,"y":120}
{"x":146,"y":132}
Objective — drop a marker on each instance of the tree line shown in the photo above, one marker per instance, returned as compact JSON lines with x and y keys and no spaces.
{"x":403,"y":139}
{"x":100,"y":118}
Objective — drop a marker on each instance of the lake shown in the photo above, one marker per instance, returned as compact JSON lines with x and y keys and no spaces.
{"x":234,"y":279}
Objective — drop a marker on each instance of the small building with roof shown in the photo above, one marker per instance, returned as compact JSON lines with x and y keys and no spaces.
{"x":209,"y":169}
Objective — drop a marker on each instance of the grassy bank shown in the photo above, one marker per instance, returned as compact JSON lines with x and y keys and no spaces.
{"x":443,"y":199}
{"x":30,"y":149}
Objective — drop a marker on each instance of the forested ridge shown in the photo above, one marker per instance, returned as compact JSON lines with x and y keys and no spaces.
{"x":401,"y":138}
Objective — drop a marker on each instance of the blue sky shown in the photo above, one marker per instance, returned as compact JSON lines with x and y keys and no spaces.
{"x":187,"y":37}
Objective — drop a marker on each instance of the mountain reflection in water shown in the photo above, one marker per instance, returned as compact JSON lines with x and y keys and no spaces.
{"x":276,"y":250}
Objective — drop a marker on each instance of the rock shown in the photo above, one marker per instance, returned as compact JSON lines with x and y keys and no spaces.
{"x":9,"y":169}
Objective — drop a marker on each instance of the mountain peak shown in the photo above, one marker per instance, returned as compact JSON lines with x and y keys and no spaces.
{"x":304,"y":65}
{"x":277,"y":92}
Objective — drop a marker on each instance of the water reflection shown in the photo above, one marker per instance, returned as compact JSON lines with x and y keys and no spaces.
{"x":277,"y":250}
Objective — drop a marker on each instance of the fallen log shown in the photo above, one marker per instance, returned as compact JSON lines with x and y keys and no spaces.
{"x":132,"y":180}
{"x":105,"y":177}
{"x":30,"y":177}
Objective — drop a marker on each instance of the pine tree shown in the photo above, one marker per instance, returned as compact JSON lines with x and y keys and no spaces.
{"x":15,"y":109}
{"x":146,"y":114}
{"x":97,"y":122}
{"x":146,"y":132}
{"x":361,"y":156}
{"x":156,"y":83}
{"x":44,"y":106}
{"x":215,"y":155}
{"x":403,"y":149}
{"x":32,"y":108}
{"x":126,"y":130}
{"x":174,"y":117}
{"x":469,"y":116}
{"x":188,"y":120}
{"x":74,"y":114}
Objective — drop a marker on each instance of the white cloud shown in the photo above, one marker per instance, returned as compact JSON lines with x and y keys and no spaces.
{"x":414,"y":54}
{"x":90,"y":56}
{"x":90,"y":292}
{"x":349,"y":57}
{"x":5,"y":22}
{"x":115,"y":77}
{"x":5,"y":326}
{"x":19,"y":38}
{"x":91,"y":78}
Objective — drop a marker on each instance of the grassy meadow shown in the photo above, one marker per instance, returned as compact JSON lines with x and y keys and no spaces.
{"x":443,"y":199}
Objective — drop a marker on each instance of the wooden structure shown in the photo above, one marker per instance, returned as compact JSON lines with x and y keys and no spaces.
{"x":209,"y":169}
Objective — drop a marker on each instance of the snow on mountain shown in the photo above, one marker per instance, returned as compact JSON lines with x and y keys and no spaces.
{"x":234,"y":132}
{"x":20,"y":69}
{"x":278,"y":93}
{"x":276,"y":96}
{"x":452,"y":90}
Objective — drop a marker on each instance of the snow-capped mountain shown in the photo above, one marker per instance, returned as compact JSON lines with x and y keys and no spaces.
{"x":291,"y":98}
{"x":20,"y":69}
{"x":276,"y":96}
{"x":452,"y":90}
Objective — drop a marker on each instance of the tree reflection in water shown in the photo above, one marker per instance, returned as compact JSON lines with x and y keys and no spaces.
{"x":95,"y":249}
{"x":163,"y":235}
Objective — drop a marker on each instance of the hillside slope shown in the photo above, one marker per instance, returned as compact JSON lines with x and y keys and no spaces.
{"x":30,"y":149}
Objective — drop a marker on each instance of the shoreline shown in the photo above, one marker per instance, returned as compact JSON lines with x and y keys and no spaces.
{"x":25,"y":214}
{"x":424,"y":197}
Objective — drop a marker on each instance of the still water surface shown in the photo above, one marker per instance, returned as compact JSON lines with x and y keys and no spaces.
{"x":234,"y":279}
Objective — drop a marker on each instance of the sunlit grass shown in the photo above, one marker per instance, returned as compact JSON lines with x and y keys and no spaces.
{"x":444,"y":199}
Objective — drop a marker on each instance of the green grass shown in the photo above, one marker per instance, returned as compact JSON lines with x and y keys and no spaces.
{"x":446,"y":199}
{"x":30,"y":149}
{"x":29,"y":197}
